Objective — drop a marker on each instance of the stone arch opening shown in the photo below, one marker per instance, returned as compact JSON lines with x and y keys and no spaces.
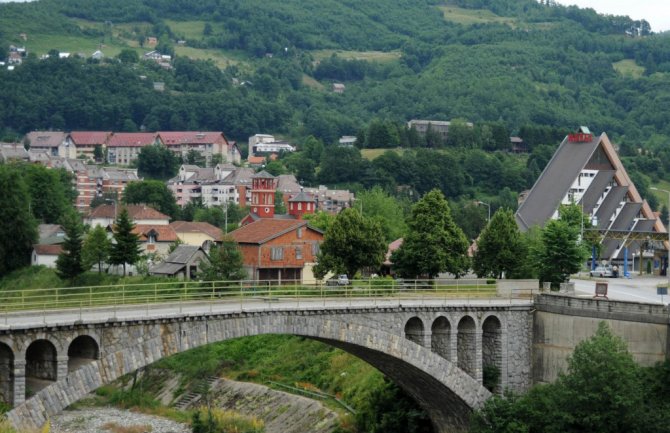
{"x":41,"y":365}
{"x":6,"y":374}
{"x":467,"y":346}
{"x":414,"y":330}
{"x":440,"y":339}
{"x":82,"y":350}
{"x":492,"y":353}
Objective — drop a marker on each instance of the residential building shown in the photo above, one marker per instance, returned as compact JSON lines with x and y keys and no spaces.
{"x":200,"y":234}
{"x":331,"y":200}
{"x":224,"y":183}
{"x":183,"y":263}
{"x":347,"y":141}
{"x":264,"y":144}
{"x":586,"y":171}
{"x":155,"y":238}
{"x":206,"y":144}
{"x":439,"y":127}
{"x":279,"y":250}
{"x":339,"y":88}
{"x":13,"y":152}
{"x":140,"y":214}
{"x":53,"y":143}
{"x":45,"y":255}
{"x":123,"y":147}
{"x":84,"y":143}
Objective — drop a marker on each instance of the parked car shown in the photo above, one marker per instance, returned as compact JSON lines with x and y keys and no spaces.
{"x":339,"y":280}
{"x":602,"y":271}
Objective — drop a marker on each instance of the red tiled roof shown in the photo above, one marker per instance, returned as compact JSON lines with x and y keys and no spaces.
{"x":48,"y":250}
{"x":391,"y":248}
{"x":89,"y":137}
{"x":256,"y":159}
{"x":163,"y":233}
{"x":131,"y":139}
{"x":135,"y":211}
{"x":191,"y":137}
{"x":265,"y":229}
{"x":198,"y":227}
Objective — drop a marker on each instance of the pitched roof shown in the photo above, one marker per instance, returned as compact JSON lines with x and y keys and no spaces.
{"x":252,"y":159}
{"x":191,"y":137}
{"x":265,"y":229}
{"x":163,"y":233}
{"x":89,"y":137}
{"x":48,"y":250}
{"x":263,"y":175}
{"x":131,"y":139}
{"x":198,"y":227}
{"x":135,"y":211}
{"x":45,"y":138}
{"x":302,"y":197}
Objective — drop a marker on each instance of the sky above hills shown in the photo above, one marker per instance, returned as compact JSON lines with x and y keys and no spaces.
{"x":656,"y":12}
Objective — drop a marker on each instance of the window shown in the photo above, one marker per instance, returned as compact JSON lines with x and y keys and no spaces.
{"x":299,"y":232}
{"x":277,"y":253}
{"x":298,"y":253}
{"x":315,"y":248}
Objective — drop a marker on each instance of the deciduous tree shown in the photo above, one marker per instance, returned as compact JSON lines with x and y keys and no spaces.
{"x":225,"y":263}
{"x":434,"y":243}
{"x":18,"y":232}
{"x":153,"y":193}
{"x":97,"y":248}
{"x":500,"y":250}
{"x":351,"y":243}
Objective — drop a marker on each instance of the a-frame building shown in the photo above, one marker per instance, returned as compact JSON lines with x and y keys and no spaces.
{"x":586,"y":170}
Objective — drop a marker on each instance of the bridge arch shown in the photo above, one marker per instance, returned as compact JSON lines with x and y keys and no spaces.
{"x":415,"y":330}
{"x":492,"y":351}
{"x":440,"y":337}
{"x":6,"y":374}
{"x":447,"y":393}
{"x":82,"y":349}
{"x":41,"y":363}
{"x":466,"y":346}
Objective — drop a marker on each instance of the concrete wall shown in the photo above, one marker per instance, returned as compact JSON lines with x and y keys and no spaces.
{"x":561,"y":322}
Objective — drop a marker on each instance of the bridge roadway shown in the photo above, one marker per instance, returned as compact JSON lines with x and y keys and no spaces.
{"x":434,"y":348}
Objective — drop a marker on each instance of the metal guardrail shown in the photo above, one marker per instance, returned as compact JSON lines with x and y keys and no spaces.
{"x":314,"y":394}
{"x":236,"y":291}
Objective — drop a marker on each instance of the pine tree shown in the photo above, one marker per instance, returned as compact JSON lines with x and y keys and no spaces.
{"x":126,"y":249}
{"x":69,"y":262}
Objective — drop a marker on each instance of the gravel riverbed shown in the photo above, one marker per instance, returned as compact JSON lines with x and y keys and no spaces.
{"x":101,"y":420}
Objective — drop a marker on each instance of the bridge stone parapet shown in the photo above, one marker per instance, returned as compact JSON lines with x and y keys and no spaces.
{"x":443,"y":374}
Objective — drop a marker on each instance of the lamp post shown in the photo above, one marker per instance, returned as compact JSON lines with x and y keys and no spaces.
{"x":668,"y":230}
{"x":479,"y":202}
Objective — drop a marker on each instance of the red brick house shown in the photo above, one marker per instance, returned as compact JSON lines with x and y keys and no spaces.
{"x":280,"y":250}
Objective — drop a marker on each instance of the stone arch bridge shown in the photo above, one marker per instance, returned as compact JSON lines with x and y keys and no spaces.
{"x":435,"y":350}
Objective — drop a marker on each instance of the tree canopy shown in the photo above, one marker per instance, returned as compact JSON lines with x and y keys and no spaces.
{"x":349,"y":244}
{"x":500,"y":250}
{"x":434,"y":243}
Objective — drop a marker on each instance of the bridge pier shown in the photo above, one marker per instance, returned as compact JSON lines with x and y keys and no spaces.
{"x":61,"y":366}
{"x":19,"y":381}
{"x":479,"y":364}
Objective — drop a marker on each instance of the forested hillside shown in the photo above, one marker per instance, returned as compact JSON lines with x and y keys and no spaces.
{"x":527,"y":68}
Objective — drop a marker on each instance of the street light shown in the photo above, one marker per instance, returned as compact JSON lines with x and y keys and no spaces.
{"x":479,"y":202}
{"x":668,"y":230}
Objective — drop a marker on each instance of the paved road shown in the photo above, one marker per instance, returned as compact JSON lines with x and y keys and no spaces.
{"x":636,"y":289}
{"x":28,"y":319}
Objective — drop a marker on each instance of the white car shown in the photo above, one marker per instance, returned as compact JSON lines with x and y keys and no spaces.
{"x":602,"y":271}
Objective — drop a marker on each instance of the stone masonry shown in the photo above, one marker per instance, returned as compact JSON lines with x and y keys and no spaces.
{"x":377,"y":335}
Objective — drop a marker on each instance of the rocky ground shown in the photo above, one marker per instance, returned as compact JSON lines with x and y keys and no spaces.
{"x":101,"y":420}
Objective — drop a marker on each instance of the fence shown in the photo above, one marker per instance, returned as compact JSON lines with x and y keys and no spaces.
{"x":179,"y":292}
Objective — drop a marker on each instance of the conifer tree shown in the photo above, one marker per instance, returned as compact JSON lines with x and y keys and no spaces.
{"x":500,"y":249}
{"x":69,"y":262}
{"x":125,"y":249}
{"x":96,"y":249}
{"x":225,"y":263}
